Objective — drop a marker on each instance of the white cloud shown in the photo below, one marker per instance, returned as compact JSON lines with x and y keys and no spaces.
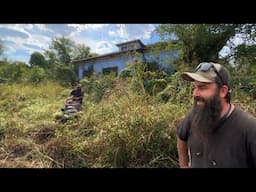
{"x":43,"y":27}
{"x":17,"y":40}
{"x":33,"y":39}
{"x":149,"y":31}
{"x":121,"y":32}
{"x":78,"y":27}
{"x":103,"y":47}
{"x":40,"y":41}
{"x":83,"y":27}
{"x":9,"y":48}
{"x":147,"y":34}
{"x":96,"y":26}
{"x":96,"y":46}
{"x":59,"y":30}
{"x":101,"y":38}
{"x":19,"y":45}
{"x":112,"y":33}
{"x":26,"y":26}
{"x":129,"y":32}
{"x":18,"y":27}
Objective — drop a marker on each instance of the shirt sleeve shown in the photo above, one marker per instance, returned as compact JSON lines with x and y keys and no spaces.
{"x":183,"y":128}
{"x":251,"y":135}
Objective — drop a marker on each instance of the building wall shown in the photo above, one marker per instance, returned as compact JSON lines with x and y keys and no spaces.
{"x":119,"y":61}
{"x":164,"y":58}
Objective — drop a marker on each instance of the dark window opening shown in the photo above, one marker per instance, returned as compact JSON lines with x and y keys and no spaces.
{"x":88,"y":72}
{"x":107,"y":71}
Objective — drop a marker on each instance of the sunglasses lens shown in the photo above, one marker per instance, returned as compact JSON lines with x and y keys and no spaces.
{"x":204,"y":67}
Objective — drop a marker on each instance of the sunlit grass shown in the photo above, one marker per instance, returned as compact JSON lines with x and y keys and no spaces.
{"x":124,"y":129}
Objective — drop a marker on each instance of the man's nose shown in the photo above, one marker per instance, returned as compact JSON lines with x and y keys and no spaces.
{"x":196,"y":92}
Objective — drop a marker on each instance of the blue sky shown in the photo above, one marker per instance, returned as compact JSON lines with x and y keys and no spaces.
{"x":21,"y":40}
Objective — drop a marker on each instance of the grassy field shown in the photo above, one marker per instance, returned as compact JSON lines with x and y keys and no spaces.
{"x":124,"y":129}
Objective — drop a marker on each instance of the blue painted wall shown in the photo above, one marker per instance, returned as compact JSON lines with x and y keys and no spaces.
{"x":100,"y":64}
{"x":165,"y":59}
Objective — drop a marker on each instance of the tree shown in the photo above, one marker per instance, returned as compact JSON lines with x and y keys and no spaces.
{"x":14,"y":72}
{"x":244,"y":54}
{"x":60,"y":55}
{"x":245,"y":58}
{"x":80,"y":52}
{"x":248,"y":31}
{"x":51,"y":57}
{"x":66,"y":75}
{"x":36,"y":74}
{"x":63,"y":51}
{"x":38,"y":59}
{"x":198,"y":42}
{"x":62,"y":48}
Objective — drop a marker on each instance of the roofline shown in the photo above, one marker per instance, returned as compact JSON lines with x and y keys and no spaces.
{"x":136,"y":40}
{"x":106,"y":55}
{"x":117,"y":53}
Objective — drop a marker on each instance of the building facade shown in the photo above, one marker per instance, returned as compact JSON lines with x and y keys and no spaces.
{"x":127,"y":53}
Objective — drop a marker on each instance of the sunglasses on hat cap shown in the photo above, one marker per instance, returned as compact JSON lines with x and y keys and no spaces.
{"x":206,"y":67}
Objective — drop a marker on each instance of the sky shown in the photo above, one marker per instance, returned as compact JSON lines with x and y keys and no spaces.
{"x":21,"y":40}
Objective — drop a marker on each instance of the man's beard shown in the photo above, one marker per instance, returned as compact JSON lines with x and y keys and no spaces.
{"x":205,"y":118}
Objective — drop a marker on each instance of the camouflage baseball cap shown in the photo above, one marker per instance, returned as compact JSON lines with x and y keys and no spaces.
{"x":209,"y":72}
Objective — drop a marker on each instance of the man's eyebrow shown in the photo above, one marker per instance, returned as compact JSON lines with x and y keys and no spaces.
{"x":201,"y":85}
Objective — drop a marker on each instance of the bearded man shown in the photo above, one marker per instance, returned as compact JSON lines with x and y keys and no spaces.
{"x":215,"y":133}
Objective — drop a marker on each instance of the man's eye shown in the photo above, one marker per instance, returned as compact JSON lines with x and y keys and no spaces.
{"x":202,"y":87}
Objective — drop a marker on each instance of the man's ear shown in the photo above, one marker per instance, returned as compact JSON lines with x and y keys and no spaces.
{"x":223,"y":91}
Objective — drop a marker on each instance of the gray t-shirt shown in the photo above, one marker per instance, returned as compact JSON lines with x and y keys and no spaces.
{"x":232,"y":145}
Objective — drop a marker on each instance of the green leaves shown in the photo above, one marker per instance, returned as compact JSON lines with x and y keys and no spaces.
{"x":198,"y":42}
{"x":38,"y":59}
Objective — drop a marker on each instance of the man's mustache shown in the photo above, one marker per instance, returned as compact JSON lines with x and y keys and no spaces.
{"x":198,"y":98}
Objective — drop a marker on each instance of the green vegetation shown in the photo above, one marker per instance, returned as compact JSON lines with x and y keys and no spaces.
{"x":126,"y":121}
{"x":114,"y":132}
{"x":120,"y":125}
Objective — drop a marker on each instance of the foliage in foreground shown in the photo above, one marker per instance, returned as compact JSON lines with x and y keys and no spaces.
{"x":122,"y":127}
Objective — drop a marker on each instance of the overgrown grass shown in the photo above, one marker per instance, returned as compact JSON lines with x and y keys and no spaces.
{"x":121,"y":128}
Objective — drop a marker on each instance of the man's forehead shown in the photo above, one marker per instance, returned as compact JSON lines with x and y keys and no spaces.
{"x":198,"y":83}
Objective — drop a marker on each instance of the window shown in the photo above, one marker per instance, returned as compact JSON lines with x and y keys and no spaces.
{"x":108,"y":70}
{"x":88,"y":72}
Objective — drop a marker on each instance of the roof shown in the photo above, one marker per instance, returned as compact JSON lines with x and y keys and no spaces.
{"x":104,"y":55}
{"x":128,"y":42}
{"x":159,"y":44}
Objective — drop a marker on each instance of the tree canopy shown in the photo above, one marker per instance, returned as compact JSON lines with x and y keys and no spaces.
{"x":198,"y":42}
{"x":38,"y":59}
{"x":64,"y":50}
